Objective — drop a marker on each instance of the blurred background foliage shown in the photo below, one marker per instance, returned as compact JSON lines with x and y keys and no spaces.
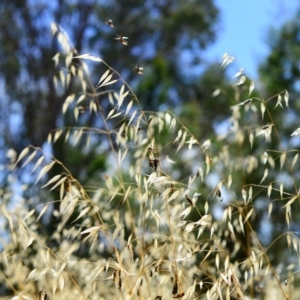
{"x":167,"y":39}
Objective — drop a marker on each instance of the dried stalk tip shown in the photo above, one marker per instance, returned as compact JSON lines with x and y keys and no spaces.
{"x":67,"y":185}
{"x":189,"y":199}
{"x":153,"y":163}
{"x":175,"y":288}
{"x":110,"y":23}
{"x":122,"y":39}
{"x":180,"y":295}
{"x":151,"y":273}
{"x":117,"y":279}
{"x":139,"y":70}
{"x":217,"y":193}
{"x":171,"y":189}
{"x":43,"y":295}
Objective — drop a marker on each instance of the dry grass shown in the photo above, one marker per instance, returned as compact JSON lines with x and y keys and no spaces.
{"x":150,"y":233}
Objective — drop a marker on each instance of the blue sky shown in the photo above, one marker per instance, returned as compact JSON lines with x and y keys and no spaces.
{"x":243,"y":30}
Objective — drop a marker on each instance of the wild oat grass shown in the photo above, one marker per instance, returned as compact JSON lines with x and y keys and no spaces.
{"x":145,"y":231}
